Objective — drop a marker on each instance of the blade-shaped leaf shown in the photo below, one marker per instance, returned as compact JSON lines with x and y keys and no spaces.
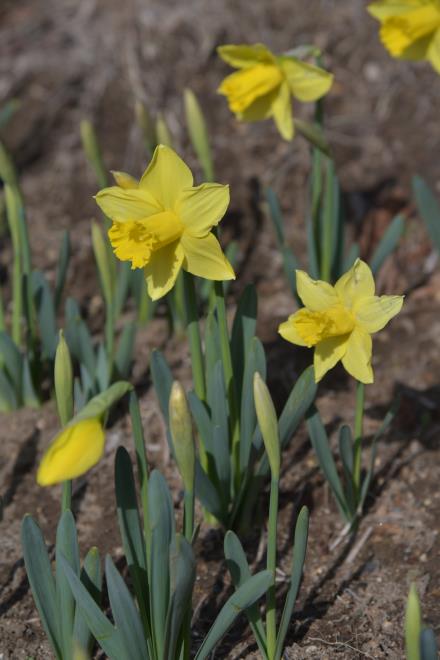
{"x":239,"y":569}
{"x":299,"y":554}
{"x":243,"y":329}
{"x":125,"y":614}
{"x":245,"y":596}
{"x":108,"y":637}
{"x":255,"y":362}
{"x":207,"y":494}
{"x":428,"y":645}
{"x":41,"y":580}
{"x":388,"y":243}
{"x":45,"y":307}
{"x":92,"y":580}
{"x":66,"y":545}
{"x":11,"y":358}
{"x":162,"y":380}
{"x":202,"y":420}
{"x":429,"y":209}
{"x":124,"y":353}
{"x":63,"y":263}
{"x":97,"y":406}
{"x":347,"y":458}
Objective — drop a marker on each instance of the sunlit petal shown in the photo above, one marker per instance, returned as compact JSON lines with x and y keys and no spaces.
{"x":166,"y":176}
{"x":357,"y":359}
{"x":202,"y":208}
{"x":162,"y":270}
{"x":328,"y":353}
{"x":204,"y":258}
{"x":316,"y":295}
{"x":356,"y":284}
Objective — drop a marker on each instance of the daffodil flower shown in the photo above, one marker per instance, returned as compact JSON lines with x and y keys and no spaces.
{"x":163,"y":222}
{"x":410,"y":29}
{"x":74,"y":451}
{"x":339,"y":320}
{"x":265,"y":83}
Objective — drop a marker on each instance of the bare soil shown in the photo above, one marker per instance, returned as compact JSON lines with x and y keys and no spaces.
{"x":65,"y":61}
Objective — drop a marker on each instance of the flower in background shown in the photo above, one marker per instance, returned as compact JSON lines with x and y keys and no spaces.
{"x":410,"y":29}
{"x":163,"y":223}
{"x":339,"y":320}
{"x":265,"y":83}
{"x":74,"y":451}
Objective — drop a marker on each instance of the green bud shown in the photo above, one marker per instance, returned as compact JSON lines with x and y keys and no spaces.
{"x":93,"y":152}
{"x":182,"y":435}
{"x":163,"y":132}
{"x":413,"y":625}
{"x":267,"y":420}
{"x":198,"y":133}
{"x":63,"y":381}
{"x":7,"y":170}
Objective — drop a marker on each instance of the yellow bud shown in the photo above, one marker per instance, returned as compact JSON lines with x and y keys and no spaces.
{"x":182,"y":435}
{"x":63,"y":377}
{"x":268,"y":423}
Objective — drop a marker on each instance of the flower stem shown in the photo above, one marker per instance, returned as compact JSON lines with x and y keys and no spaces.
{"x":66,"y":496}
{"x":228,"y":372}
{"x":271,"y":614}
{"x":195,"y":341}
{"x":358,"y":432}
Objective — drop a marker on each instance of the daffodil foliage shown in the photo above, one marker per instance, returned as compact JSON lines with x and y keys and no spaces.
{"x":338,"y":321}
{"x":164,"y":223}
{"x":264,"y":84}
{"x":410,"y":29}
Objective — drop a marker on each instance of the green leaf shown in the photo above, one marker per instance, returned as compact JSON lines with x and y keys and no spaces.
{"x":241,"y":600}
{"x":124,"y":353}
{"x":255,"y":362}
{"x":8,"y":398}
{"x":130,"y":528}
{"x":161,"y":516}
{"x":429,"y":209}
{"x":351,"y":257}
{"x":102,"y":374}
{"x":63,"y":263}
{"x":276,"y":215}
{"x":202,"y":420}
{"x":220,"y":425}
{"x":163,"y":132}
{"x":66,"y":545}
{"x":299,"y":554}
{"x":320,"y":443}
{"x":347,"y":458}
{"x":162,"y":381}
{"x":99,"y":405}
{"x":428,"y":645}
{"x":182,"y":578}
{"x":30,"y":397}
{"x":93,"y":152}
{"x":102,"y":258}
{"x":44,"y":305}
{"x":108,"y":637}
{"x":388,"y":243}
{"x":207,"y":494}
{"x":92,"y":580}
{"x":413,"y":625}
{"x":243,"y":329}
{"x":11,"y":358}
{"x":41,"y":580}
{"x":125,"y":614}
{"x":198,"y":133}
{"x":239,"y":569}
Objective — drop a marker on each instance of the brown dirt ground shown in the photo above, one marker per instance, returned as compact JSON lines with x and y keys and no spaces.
{"x":67,"y":60}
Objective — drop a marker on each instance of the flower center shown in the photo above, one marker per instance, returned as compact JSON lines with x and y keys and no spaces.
{"x":244,"y":87}
{"x":136,"y":241}
{"x":399,"y":32}
{"x":313,"y":327}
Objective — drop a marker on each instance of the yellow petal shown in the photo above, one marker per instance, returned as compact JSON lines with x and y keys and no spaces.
{"x":357,"y":359}
{"x":387,"y":8}
{"x":306,"y":82}
{"x":288,"y":331}
{"x":162,"y":270}
{"x":356,"y":284}
{"x":124,"y":180}
{"x":166,"y":176}
{"x":242,"y":56}
{"x":243,"y":87}
{"x":204,"y":258}
{"x":433,"y":53}
{"x":125,"y":205}
{"x":74,"y":451}
{"x":398,"y":33}
{"x":259,"y":109}
{"x":316,"y":295}
{"x":201,"y":208}
{"x":282,"y":112}
{"x":374,"y":313}
{"x":327,"y":353}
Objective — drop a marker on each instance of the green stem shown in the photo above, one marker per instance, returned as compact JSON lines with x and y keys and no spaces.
{"x":110,"y":337}
{"x":188,"y":505}
{"x":66,"y":496}
{"x":228,"y":372}
{"x":195,"y":341}
{"x":271,"y":614}
{"x":358,"y":432}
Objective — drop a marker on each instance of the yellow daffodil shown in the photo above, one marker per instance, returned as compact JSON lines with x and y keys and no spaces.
{"x":163,"y":222}
{"x":74,"y":451}
{"x":265,"y":83}
{"x":410,"y":29}
{"x":339,"y":320}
